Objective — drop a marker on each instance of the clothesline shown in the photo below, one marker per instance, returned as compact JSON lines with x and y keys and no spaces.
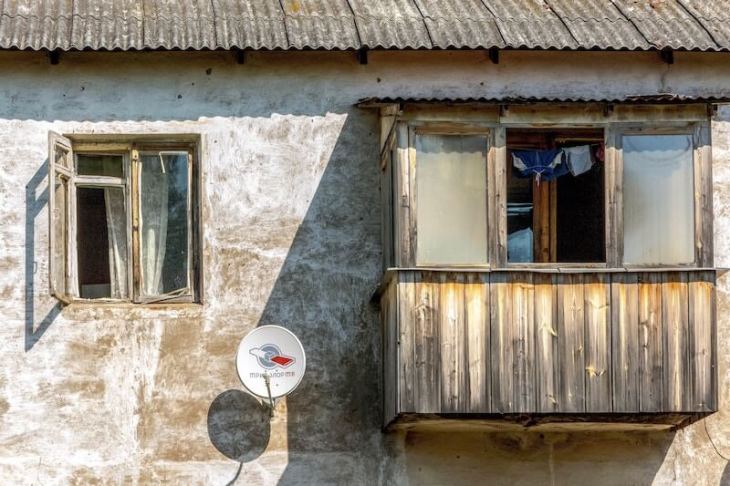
{"x":553,"y":163}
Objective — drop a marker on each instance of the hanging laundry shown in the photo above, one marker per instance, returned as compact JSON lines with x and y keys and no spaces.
{"x":600,"y":152}
{"x":578,"y":159}
{"x":543,"y":164}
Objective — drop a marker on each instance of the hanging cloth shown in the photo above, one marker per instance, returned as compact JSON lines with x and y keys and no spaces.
{"x":578,"y":159}
{"x":542,"y":164}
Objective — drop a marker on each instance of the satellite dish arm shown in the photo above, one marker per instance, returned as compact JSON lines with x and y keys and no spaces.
{"x":267,"y":379}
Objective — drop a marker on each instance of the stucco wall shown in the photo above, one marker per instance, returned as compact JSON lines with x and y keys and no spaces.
{"x":148,"y":394}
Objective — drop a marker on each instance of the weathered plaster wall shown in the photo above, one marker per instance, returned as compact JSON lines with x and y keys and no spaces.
{"x":141,"y":395}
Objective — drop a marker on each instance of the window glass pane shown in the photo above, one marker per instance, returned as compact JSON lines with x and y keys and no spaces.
{"x":164,"y":229}
{"x":59,"y":228}
{"x":102,"y":242}
{"x":451,"y":196}
{"x":100,"y":165}
{"x":62,"y":156}
{"x":658,"y":199}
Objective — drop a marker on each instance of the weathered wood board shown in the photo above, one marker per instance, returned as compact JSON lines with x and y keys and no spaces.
{"x":471,"y":342}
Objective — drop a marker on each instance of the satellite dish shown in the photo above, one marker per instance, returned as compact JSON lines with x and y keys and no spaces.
{"x":270,"y":362}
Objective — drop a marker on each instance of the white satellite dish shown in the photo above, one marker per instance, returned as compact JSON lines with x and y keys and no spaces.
{"x":270,"y":362}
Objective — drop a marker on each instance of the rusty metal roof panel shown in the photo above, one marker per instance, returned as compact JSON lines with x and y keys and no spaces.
{"x":354,"y":24}
{"x":667,"y":24}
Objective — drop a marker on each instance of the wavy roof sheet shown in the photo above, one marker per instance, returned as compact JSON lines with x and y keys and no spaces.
{"x":374,"y":24}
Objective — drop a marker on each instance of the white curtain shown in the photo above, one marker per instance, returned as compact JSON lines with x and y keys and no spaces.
{"x":658,"y":200}
{"x":154,"y":223}
{"x":116,"y":220}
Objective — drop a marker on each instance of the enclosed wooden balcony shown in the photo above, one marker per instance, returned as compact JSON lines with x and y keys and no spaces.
{"x":533,"y":346}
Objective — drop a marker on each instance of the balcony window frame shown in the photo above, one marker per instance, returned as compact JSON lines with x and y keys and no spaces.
{"x":399,"y":140}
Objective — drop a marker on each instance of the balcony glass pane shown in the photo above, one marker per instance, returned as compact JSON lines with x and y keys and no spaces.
{"x":658,"y":200}
{"x":451,"y":193}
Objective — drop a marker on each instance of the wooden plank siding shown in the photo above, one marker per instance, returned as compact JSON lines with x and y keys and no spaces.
{"x":517,"y":342}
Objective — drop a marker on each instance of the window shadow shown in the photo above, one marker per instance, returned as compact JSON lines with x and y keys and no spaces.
{"x":34,"y":204}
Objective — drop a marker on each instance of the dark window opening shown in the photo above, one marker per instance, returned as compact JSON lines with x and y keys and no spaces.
{"x":93,"y":244}
{"x":555,"y":196}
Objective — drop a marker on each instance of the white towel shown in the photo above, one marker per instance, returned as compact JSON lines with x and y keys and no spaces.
{"x":579,"y":159}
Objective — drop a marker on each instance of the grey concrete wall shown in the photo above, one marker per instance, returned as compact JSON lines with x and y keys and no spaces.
{"x":113,"y":394}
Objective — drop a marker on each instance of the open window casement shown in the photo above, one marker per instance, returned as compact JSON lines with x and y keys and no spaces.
{"x":60,"y":195}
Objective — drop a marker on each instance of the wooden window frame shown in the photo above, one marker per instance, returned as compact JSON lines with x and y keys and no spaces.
{"x":501,"y":182}
{"x":691,"y":119}
{"x":129,"y":147}
{"x":446,"y":129}
{"x":701,"y":188}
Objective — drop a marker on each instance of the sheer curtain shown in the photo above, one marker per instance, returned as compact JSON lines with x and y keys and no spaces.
{"x":658,"y":199}
{"x":116,"y":221}
{"x":154,"y":198}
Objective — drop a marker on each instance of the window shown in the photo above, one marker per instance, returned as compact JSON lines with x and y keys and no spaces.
{"x":492,"y":189}
{"x":123,"y":221}
{"x":555,"y":214}
{"x":658,"y":199}
{"x":451,"y":192}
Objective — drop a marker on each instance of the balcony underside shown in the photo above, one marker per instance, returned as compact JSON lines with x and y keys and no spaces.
{"x":544,"y":422}
{"x":526,"y":348}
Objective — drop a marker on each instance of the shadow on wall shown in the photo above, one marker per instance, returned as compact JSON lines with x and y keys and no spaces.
{"x":529,"y":458}
{"x":34,"y":204}
{"x":239,"y":427}
{"x":322,"y":293}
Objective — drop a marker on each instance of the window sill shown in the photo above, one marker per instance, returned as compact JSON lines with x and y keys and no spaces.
{"x":89,"y":310}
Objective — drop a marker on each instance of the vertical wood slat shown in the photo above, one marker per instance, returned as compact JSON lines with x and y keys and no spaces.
{"x":701,"y":389}
{"x":597,"y":343}
{"x":389,"y":320}
{"x":614,"y":198}
{"x":427,"y":343}
{"x":513,"y":342}
{"x":476,"y":313}
{"x":625,"y":342}
{"x":571,"y":320}
{"x":452,"y":355}
{"x":402,"y":199}
{"x":407,"y":326}
{"x":651,"y":343}
{"x":497,"y":198}
{"x":386,"y":209}
{"x":547,"y":360}
{"x":523,"y":313}
{"x":703,"y":195}
{"x":501,"y":350}
{"x":675,"y":315}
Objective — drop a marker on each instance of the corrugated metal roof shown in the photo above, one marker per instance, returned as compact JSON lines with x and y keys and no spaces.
{"x":669,"y":98}
{"x":374,"y":24}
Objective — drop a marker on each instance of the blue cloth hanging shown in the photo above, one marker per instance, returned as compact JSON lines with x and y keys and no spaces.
{"x":543,"y":164}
